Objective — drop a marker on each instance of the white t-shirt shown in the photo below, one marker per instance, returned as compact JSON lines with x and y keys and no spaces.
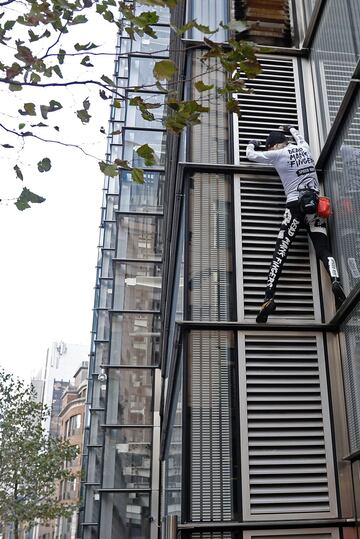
{"x":294,"y":164}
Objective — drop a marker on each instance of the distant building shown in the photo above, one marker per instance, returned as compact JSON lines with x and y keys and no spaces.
{"x":71,"y":420}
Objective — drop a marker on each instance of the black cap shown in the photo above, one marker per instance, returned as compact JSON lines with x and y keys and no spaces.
{"x":275,"y":137}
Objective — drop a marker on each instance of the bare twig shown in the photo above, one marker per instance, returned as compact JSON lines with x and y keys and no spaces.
{"x":29,"y":134}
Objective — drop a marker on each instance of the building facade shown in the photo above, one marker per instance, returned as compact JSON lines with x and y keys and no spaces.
{"x":200,"y":422}
{"x":71,"y":418}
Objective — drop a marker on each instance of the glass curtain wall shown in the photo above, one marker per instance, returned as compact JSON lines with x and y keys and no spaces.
{"x":122,"y":478}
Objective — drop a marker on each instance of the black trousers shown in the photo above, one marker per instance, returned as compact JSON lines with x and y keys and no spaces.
{"x":293,"y":219}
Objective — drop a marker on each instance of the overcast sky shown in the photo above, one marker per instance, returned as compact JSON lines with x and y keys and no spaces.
{"x":49,"y":252}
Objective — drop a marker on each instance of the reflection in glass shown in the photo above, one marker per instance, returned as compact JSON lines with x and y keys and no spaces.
{"x":211,"y":283}
{"x":351,"y":370}
{"x":137,"y":286}
{"x":126,"y":515}
{"x":134,"y":118}
{"x":342,"y":184}
{"x":96,"y":431}
{"x":101,"y":355}
{"x":162,"y":12}
{"x":334,"y":54}
{"x":105,"y":293}
{"x":173,"y":456}
{"x":92,"y":504}
{"x":130,"y":396}
{"x":128,"y":458}
{"x":147,"y":44}
{"x":94,"y":464}
{"x":141,"y":72}
{"x":103,"y":325}
{"x":146,"y":197}
{"x":135,"y":339}
{"x":109,"y":234}
{"x":107,"y":266}
{"x":140,"y":237}
{"x":133,"y":139}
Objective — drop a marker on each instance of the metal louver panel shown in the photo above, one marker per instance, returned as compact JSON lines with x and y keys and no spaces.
{"x":261,"y":201}
{"x":324,"y":533}
{"x":287,"y":462}
{"x":210,"y":373}
{"x":272,"y":102}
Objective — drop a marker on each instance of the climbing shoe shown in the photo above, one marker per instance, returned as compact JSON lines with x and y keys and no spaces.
{"x":338,"y":293}
{"x":267,"y":308}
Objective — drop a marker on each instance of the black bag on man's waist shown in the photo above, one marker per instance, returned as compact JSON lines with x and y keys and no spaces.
{"x":308,"y":201}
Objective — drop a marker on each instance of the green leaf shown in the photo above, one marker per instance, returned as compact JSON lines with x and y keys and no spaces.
{"x":86,"y":104}
{"x":29,"y":110}
{"x":137,"y":175}
{"x":86,"y":62}
{"x":61,"y":56}
{"x":9,"y":25}
{"x":232,"y":105}
{"x":107,"y":80}
{"x":86,"y":47}
{"x":14,"y":70}
{"x":52,"y":107}
{"x":83,"y":115}
{"x":15,"y":87}
{"x":147,"y":153}
{"x":21,"y":126}
{"x":164,"y":70}
{"x":44,"y":165}
{"x":117,"y":103}
{"x":109,"y":169}
{"x":194,"y":24}
{"x":26,"y":196}
{"x":35,"y":78}
{"x":58,"y":71}
{"x":122,"y":163}
{"x":202,"y":87}
{"x":18,"y":173}
{"x":79,"y":19}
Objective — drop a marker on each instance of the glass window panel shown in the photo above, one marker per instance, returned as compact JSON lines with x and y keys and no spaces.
{"x":94,"y":464}
{"x":107,"y":266}
{"x":112,"y":202}
{"x":103,"y":325}
{"x":96,"y":432}
{"x":101,"y":354}
{"x":130,"y":396}
{"x":140,"y":237}
{"x":105,"y":293}
{"x":92,"y":504}
{"x":209,"y":13}
{"x":173,"y":455}
{"x":141,"y":72}
{"x":109,"y":234}
{"x":163,"y":12}
{"x":99,"y":395}
{"x":159,"y":46}
{"x":128,"y":458}
{"x":334,"y":54}
{"x":116,"y":131}
{"x":342,"y":184}
{"x":211,"y":279}
{"x":126,"y":515}
{"x":351,"y":369}
{"x":74,"y":425}
{"x":133,"y":115}
{"x":146,"y":197}
{"x":135,"y":339}
{"x":134,"y":139}
{"x":137,"y":286}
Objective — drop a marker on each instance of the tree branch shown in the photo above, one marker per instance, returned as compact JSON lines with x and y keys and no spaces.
{"x":64,"y":84}
{"x":66,"y":144}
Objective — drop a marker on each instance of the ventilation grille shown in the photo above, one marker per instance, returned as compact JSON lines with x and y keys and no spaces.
{"x":210,"y":358}
{"x":324,"y":533}
{"x":272,"y":102}
{"x":262,"y":202}
{"x":287,"y":460}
